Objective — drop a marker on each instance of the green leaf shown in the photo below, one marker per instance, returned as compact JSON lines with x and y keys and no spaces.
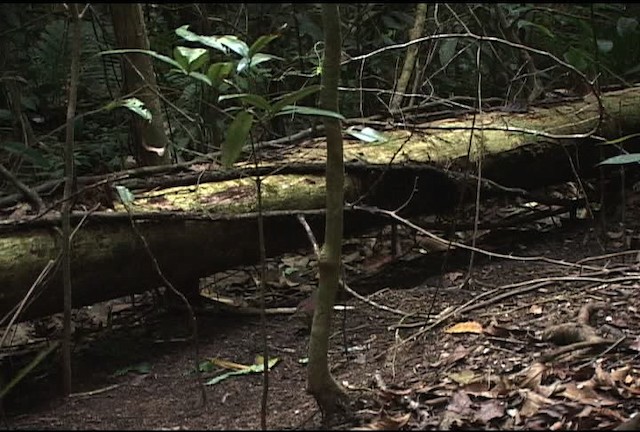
{"x":219,"y":71}
{"x":235,"y":45}
{"x":621,"y":159}
{"x":604,"y":45}
{"x":250,"y":62}
{"x":210,"y":41}
{"x":258,"y":367}
{"x":191,"y":54}
{"x":576,"y":58}
{"x":625,"y":26}
{"x":253,"y":99}
{"x":447,"y":50}
{"x":367,"y":134}
{"x":309,"y":111}
{"x":177,"y":56}
{"x":291,"y":98}
{"x":132,"y":104}
{"x":201,"y":77}
{"x":200,"y":62}
{"x":191,"y":58}
{"x":154,"y":54}
{"x":236,"y":138}
{"x":260,"y":43}
{"x":125,"y":195}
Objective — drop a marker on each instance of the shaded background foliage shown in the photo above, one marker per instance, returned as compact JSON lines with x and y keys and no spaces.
{"x":602,"y":40}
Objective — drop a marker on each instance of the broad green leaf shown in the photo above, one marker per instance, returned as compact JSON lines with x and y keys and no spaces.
{"x":133,"y":104}
{"x":219,"y":71}
{"x":260,"y":43}
{"x":236,"y":137}
{"x":255,"y":61}
{"x":154,"y":54}
{"x":210,"y":41}
{"x":291,"y":98}
{"x":177,"y":56}
{"x":201,"y":77}
{"x":309,"y":111}
{"x":253,"y":99}
{"x":604,"y":45}
{"x":447,"y":50}
{"x":200,"y":62}
{"x":191,"y":58}
{"x":29,"y":102}
{"x":626,"y":25}
{"x":125,"y":195}
{"x":576,"y":58}
{"x":235,"y":45}
{"x":191,"y":54}
{"x":621,"y":159}
{"x":367,"y":134}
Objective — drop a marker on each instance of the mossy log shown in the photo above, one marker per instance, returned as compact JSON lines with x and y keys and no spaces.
{"x":208,"y":223}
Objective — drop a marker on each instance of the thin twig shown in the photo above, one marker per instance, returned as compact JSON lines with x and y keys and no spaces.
{"x":421,"y":230}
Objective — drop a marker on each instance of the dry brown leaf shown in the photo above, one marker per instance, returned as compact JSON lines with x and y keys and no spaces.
{"x":489,"y":410}
{"x":621,"y":375}
{"x":460,"y":404}
{"x":587,"y":395}
{"x":459,"y":353}
{"x":535,"y":310}
{"x":533,"y":376}
{"x":387,"y":423}
{"x":533,"y":402}
{"x":465,"y":327}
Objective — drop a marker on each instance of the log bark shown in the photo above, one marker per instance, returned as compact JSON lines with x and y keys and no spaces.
{"x":202,"y":228}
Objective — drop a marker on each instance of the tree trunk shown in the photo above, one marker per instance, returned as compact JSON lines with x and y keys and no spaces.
{"x":66,"y":204}
{"x":410,"y":59}
{"x":150,"y":139}
{"x":330,"y":396}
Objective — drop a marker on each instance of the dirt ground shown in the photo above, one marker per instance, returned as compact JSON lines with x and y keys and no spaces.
{"x":492,"y":365}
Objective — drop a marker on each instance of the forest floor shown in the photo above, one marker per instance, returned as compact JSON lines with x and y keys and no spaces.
{"x":493,"y":364}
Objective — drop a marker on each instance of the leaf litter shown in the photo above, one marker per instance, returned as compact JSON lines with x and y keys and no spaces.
{"x":519,"y":345}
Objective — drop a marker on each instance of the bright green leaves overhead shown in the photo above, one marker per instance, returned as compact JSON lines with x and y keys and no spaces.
{"x":250,"y":57}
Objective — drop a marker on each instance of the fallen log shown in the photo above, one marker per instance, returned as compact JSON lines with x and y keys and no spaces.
{"x":204,"y":221}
